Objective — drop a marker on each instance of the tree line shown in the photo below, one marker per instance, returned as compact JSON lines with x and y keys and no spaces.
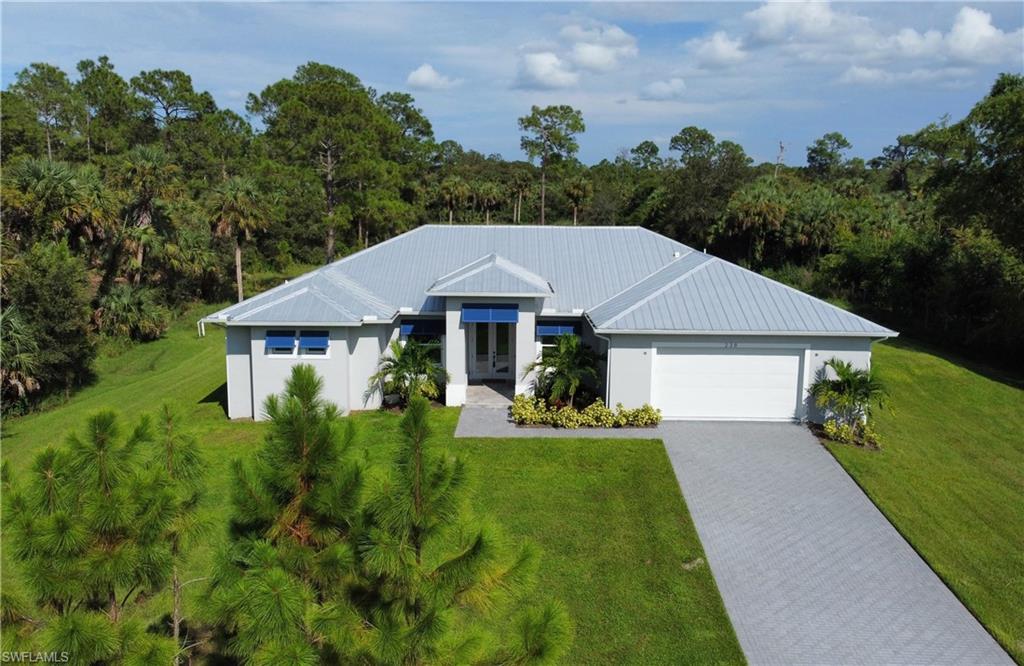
{"x":126,"y":199}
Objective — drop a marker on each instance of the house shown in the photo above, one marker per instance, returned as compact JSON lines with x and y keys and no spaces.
{"x":691,"y":334}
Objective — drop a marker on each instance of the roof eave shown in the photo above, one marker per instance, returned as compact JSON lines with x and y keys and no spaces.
{"x":876,"y":335}
{"x":490,"y":294}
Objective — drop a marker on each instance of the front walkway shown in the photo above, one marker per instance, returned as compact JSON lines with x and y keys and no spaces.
{"x":810,"y":571}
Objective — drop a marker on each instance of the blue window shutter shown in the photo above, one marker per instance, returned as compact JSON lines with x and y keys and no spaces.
{"x":558,"y":328}
{"x":280,"y":339}
{"x":505,"y":313}
{"x":422,"y":327}
{"x":313,"y":340}
{"x":475,"y":314}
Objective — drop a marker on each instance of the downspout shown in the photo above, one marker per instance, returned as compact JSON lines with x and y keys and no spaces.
{"x":607,"y":360}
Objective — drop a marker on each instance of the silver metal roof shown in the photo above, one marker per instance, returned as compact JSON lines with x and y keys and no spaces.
{"x":491,"y":275}
{"x":703,"y":294}
{"x":627,"y":279}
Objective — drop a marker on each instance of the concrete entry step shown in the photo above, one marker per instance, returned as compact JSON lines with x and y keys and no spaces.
{"x":490,"y":393}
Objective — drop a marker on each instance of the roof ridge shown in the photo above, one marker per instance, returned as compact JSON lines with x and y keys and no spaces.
{"x":341,"y":309}
{"x":264,"y":306}
{"x":361,"y":291}
{"x":661,"y":290}
{"x":633,"y":284}
{"x":803,"y":293}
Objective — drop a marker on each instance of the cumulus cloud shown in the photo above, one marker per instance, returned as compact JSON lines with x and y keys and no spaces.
{"x":973,"y":38}
{"x":425,"y":77}
{"x":599,"y":48}
{"x":718,"y":50}
{"x":783,"y":21}
{"x":545,"y":71}
{"x":664,"y":90}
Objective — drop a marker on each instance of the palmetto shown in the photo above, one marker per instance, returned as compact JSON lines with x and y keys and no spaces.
{"x":563,"y":368}
{"x":408,"y":370}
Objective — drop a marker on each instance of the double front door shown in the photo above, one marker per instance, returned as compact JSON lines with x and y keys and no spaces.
{"x":490,"y":351}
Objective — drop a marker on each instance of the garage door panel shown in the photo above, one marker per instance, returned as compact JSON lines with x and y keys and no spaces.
{"x":727,"y":384}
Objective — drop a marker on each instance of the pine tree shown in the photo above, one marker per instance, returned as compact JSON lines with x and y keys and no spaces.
{"x":90,"y":533}
{"x":443,"y":586}
{"x":280,"y":590}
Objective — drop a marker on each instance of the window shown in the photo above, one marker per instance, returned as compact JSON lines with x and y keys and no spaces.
{"x":280,"y":343}
{"x":427,"y":332}
{"x":548,"y":331}
{"x":314,"y":343}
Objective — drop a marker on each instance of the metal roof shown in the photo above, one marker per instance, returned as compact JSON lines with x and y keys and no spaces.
{"x":491,"y":275}
{"x":627,"y":279}
{"x":699,"y":293}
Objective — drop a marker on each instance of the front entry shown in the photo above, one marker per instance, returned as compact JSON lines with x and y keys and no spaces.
{"x":490,"y":351}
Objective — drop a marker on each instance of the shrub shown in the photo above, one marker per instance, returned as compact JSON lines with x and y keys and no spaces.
{"x":132,"y":312}
{"x":529,"y":410}
{"x":857,"y":432}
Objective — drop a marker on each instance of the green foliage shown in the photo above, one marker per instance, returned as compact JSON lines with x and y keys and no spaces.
{"x":409,"y":369}
{"x":133,"y":313}
{"x":279,"y":588}
{"x":564,"y":368}
{"x":99,"y":525}
{"x":49,"y":288}
{"x":19,"y":359}
{"x":847,"y":394}
{"x":529,"y":410}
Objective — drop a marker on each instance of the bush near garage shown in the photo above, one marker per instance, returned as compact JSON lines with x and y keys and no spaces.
{"x":528,"y":410}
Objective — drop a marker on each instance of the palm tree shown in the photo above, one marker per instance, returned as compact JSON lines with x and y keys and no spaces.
{"x":488,"y":195}
{"x":19,"y":359}
{"x":577,"y":190}
{"x":131,"y":312}
{"x":147,"y":174}
{"x":238,"y":210}
{"x":407,"y":371}
{"x":66,"y":200}
{"x":851,"y":394}
{"x":563,"y":368}
{"x":518,"y":188}
{"x":454,"y":193}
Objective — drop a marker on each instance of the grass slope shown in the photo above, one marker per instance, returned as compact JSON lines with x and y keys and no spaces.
{"x":950,"y":477}
{"x":607,"y":514}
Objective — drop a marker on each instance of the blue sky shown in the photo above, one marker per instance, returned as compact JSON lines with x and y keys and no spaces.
{"x":754,"y":73}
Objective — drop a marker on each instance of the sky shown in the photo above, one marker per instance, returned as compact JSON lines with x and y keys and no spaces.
{"x":757,"y":74}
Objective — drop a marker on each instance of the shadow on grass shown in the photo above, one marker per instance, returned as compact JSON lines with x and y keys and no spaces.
{"x":1008,"y":377}
{"x":218,"y":396}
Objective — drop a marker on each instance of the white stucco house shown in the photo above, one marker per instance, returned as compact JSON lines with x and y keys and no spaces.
{"x":694,"y":335}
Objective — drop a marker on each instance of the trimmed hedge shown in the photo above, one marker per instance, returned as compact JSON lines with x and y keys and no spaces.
{"x":528,"y":410}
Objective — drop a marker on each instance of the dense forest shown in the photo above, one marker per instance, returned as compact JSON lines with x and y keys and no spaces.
{"x":126,"y":200}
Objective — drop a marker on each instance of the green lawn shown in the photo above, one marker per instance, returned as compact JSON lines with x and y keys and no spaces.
{"x":618,"y":544}
{"x":950,"y":476}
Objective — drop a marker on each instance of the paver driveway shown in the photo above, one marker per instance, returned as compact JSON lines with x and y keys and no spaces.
{"x":810,"y":571}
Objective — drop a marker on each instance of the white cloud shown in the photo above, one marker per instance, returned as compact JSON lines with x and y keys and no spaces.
{"x":858,"y":75}
{"x":973,"y":38}
{"x":599,"y":48}
{"x":425,"y":77}
{"x":545,"y":71}
{"x":807,"y":19}
{"x":663,"y":90}
{"x":718,"y":50}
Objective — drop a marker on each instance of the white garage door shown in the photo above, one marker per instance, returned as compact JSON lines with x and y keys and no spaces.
{"x":726,"y":384}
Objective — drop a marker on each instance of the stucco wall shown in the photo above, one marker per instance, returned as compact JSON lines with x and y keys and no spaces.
{"x":269,"y":373}
{"x":630,"y":360}
{"x":365,"y":346}
{"x":239,"y":372}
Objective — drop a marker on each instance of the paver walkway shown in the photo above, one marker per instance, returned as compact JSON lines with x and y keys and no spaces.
{"x":810,"y":571}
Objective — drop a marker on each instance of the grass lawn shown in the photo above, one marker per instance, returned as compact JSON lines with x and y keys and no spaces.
{"x":950,"y":476}
{"x":618,"y":544}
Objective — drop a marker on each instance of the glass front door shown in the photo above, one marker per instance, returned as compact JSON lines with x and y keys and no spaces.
{"x":491,"y":351}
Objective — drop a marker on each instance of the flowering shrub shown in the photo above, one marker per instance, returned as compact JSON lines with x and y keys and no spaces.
{"x":528,"y":410}
{"x":850,"y":433}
